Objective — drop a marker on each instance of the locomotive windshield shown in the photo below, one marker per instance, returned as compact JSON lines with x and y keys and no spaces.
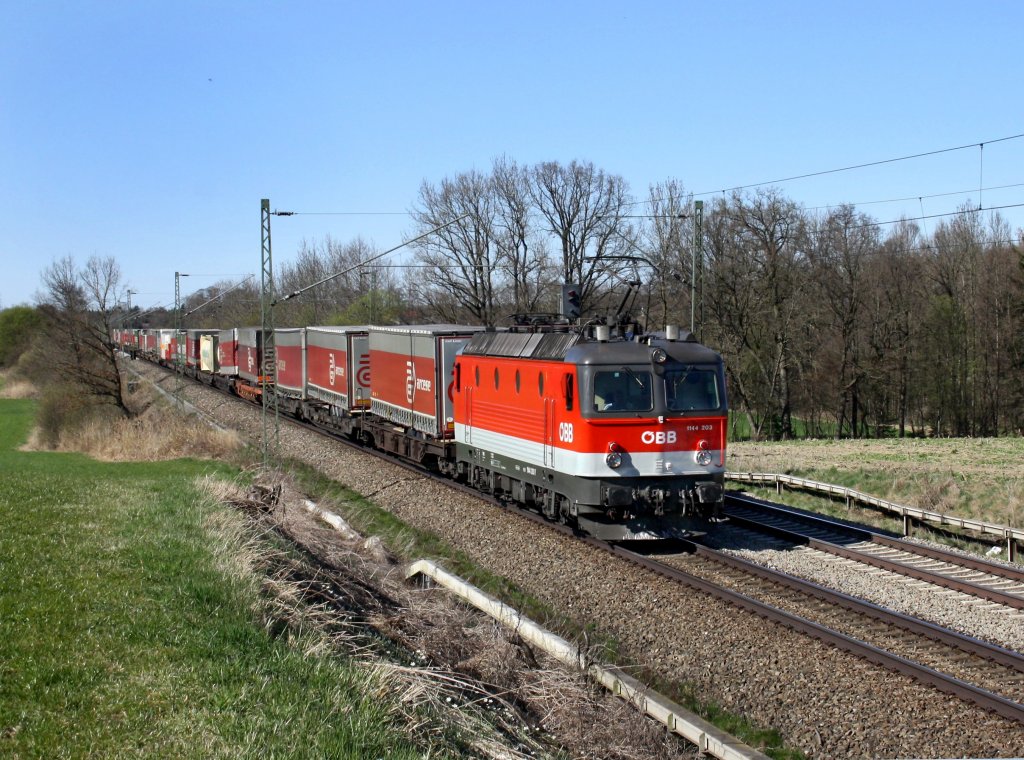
{"x":622,"y":390}
{"x":692,"y":389}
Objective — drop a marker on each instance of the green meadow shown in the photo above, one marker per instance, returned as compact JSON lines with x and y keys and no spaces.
{"x":125,"y":629}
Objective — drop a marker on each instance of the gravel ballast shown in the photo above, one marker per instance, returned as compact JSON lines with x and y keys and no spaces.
{"x":823,"y":701}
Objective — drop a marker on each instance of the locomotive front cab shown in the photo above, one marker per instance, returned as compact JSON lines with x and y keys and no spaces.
{"x":653,"y":424}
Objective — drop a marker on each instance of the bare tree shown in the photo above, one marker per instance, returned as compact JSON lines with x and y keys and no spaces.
{"x":668,"y":243}
{"x":838,"y":247}
{"x":585,"y":210}
{"x":756,"y":276}
{"x":79,"y":304}
{"x":522,"y":253}
{"x":460,"y":257}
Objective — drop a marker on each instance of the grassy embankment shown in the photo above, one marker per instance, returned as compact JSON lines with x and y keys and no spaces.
{"x":129,"y":628}
{"x":409,"y":543}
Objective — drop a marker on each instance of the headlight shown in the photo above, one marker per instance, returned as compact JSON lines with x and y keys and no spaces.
{"x":703,"y":456}
{"x":659,"y":356}
{"x":614,"y":456}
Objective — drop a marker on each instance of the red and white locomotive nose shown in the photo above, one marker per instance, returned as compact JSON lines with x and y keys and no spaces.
{"x":598,"y":431}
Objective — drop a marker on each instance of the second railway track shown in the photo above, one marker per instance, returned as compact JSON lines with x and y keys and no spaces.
{"x":996,"y":583}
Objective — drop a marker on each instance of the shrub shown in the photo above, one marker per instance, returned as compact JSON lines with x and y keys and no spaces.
{"x":17,"y":326}
{"x":59,"y":410}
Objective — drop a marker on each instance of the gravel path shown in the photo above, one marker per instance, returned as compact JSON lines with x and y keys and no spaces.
{"x":823,"y":701}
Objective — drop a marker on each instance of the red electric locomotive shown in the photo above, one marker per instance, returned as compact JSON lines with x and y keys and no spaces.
{"x":624,"y":438}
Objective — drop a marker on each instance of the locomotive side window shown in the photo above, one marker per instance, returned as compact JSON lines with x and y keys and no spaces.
{"x":495,"y":378}
{"x":540,"y":383}
{"x":517,"y":381}
{"x":477,"y":373}
{"x":690,"y":389}
{"x":622,"y":390}
{"x":569,"y":392}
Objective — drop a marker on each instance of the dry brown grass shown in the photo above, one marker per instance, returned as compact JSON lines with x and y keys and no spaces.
{"x":158,"y":434}
{"x":453,"y":665}
{"x":973,"y":477}
{"x":16,"y":387}
{"x":19,"y":389}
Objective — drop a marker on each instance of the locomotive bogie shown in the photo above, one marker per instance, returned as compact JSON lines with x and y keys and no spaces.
{"x":618,"y":509}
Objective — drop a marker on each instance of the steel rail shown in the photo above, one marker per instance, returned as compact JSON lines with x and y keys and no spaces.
{"x":941,"y":681}
{"x":1012,"y":536}
{"x":939,"y":579}
{"x":961,"y":641}
{"x":925,"y":675}
{"x":867,"y":534}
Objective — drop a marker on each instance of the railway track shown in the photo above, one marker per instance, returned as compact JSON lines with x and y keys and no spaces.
{"x":996,"y":675}
{"x":992,"y":668}
{"x":972,"y":576}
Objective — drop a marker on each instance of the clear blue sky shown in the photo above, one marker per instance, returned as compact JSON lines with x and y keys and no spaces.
{"x":149,"y":131}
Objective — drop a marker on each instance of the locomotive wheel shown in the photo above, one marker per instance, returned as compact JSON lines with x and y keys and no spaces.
{"x":564,"y":515}
{"x":549,"y":503}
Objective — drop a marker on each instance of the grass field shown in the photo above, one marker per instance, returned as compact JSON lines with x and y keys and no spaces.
{"x":973,"y":477}
{"x":127,"y":629}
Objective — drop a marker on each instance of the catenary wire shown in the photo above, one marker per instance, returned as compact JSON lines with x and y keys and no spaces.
{"x":935,"y":216}
{"x":841,"y":169}
{"x":860,"y":166}
{"x":910,"y":197}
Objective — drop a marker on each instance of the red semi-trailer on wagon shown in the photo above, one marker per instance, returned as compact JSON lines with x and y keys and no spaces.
{"x":227,"y":352}
{"x":338,"y":367}
{"x":411,"y":367}
{"x":290,"y":344}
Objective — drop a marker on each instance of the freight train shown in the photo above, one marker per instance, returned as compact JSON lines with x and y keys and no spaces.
{"x":621,"y":436}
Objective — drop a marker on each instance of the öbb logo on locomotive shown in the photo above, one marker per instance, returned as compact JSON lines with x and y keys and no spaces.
{"x":619,"y":432}
{"x":659,"y":436}
{"x":565,"y":432}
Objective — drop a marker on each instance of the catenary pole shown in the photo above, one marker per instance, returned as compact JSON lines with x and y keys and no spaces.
{"x":268,"y":372}
{"x":697,"y":273}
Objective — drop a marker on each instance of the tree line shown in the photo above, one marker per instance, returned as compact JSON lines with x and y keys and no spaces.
{"x":830,"y":322}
